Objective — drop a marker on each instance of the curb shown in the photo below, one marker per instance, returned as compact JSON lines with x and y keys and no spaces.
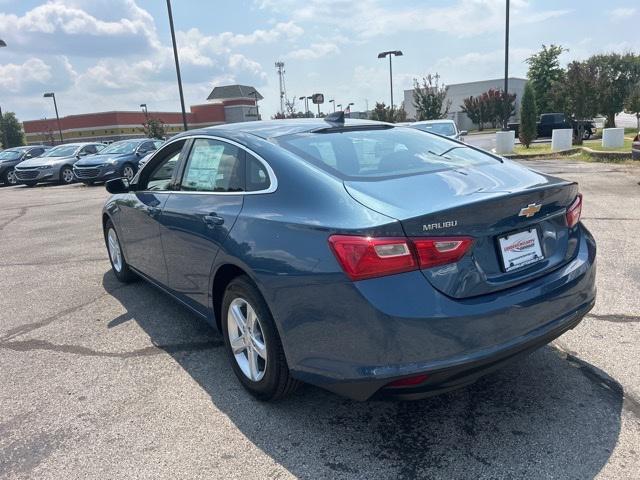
{"x":597,"y":154}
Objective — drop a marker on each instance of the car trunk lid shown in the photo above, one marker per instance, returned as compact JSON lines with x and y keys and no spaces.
{"x":489,"y":202}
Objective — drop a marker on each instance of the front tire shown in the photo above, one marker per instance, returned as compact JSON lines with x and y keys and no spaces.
{"x":127,"y":171}
{"x":67,"y":176}
{"x":9,"y":177}
{"x":252,"y":342}
{"x":119,"y":265}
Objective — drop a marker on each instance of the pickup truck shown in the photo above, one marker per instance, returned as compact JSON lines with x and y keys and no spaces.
{"x":551,"y":121}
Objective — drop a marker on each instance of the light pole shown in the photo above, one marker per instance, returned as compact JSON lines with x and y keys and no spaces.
{"x":390,"y":54}
{"x":143,"y":106}
{"x":306,"y":104}
{"x":349,"y":108}
{"x":339,"y":106}
{"x":4,"y":134}
{"x":506,"y":70}
{"x":55,"y":105}
{"x":175,"y":56}
{"x":334,"y":104}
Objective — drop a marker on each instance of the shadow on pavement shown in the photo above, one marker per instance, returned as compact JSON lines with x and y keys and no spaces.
{"x":544,"y":417}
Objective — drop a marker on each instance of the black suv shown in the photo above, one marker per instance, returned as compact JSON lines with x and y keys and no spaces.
{"x":10,"y":157}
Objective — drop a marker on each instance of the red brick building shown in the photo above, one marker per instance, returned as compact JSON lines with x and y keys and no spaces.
{"x":230,"y":103}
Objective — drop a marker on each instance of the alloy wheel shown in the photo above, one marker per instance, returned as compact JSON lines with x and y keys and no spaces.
{"x":246,"y":339}
{"x":67,"y":175}
{"x":114,"y":250}
{"x":11,"y":177}
{"x":127,"y":172}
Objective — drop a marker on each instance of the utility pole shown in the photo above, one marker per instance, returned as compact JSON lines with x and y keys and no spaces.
{"x":506,"y":70}
{"x":175,"y":56}
{"x":280,"y":68}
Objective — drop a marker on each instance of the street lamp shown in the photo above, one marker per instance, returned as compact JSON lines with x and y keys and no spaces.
{"x":143,"y":106}
{"x":255,"y":95}
{"x":306,"y":104}
{"x":339,"y":106}
{"x":506,"y":69}
{"x":349,"y":105}
{"x":4,"y":139}
{"x":390,"y":54}
{"x":55,"y":105}
{"x":175,"y":56}
{"x":334,"y":104}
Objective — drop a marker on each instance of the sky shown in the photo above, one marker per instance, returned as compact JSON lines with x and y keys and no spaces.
{"x":101,"y":55}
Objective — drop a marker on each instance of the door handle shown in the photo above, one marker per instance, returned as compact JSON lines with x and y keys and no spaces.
{"x":154,"y":211}
{"x":213,"y":220}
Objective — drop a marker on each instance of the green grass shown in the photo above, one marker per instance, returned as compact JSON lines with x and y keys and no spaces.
{"x":534,"y":149}
{"x":630,"y":131}
{"x":597,"y":145}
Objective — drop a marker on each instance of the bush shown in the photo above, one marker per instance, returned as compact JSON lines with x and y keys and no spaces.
{"x":528,"y":116}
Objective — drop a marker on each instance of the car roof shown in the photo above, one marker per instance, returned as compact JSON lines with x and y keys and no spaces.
{"x":277,"y":128}
{"x":441,"y":120}
{"x":79,"y":144}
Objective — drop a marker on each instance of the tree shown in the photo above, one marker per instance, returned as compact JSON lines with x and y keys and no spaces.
{"x":472,"y":106}
{"x":11,"y":134}
{"x":430,"y":98}
{"x":382,"y":113}
{"x":154,"y":128}
{"x":614,"y":75}
{"x":544,"y":72}
{"x":505,"y":107}
{"x":632,"y":103}
{"x":578,"y":90}
{"x":528,"y":116}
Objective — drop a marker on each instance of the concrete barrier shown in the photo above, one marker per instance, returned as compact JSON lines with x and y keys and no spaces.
{"x":505,"y":142}
{"x":613,"y":138}
{"x":561,"y":139}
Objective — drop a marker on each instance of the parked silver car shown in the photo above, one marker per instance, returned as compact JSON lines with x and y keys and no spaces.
{"x":56,"y":165}
{"x":446,"y":128}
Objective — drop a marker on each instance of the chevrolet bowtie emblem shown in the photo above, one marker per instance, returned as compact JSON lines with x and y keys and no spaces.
{"x":530,"y":210}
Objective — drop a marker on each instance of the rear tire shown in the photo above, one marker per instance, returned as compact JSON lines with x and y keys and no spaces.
{"x":119,"y":265}
{"x":258,"y":340}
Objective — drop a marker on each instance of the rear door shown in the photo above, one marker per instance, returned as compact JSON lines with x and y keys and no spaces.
{"x":140,"y":213}
{"x":196,"y":220}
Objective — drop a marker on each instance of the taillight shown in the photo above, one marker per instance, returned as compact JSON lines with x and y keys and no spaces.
{"x":440,"y":251}
{"x":574,"y":211}
{"x":368,"y":257}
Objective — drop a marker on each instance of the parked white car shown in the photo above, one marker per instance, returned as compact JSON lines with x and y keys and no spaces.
{"x":446,"y":128}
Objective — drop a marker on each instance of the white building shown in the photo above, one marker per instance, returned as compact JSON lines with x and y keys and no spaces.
{"x":459,"y":91}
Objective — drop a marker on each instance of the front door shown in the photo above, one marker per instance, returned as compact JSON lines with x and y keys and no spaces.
{"x":141,"y":213}
{"x":197,"y":219}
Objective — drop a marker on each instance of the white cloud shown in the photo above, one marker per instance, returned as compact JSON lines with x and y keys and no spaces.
{"x":315,"y":51}
{"x":622,"y":13}
{"x":15,"y":77}
{"x":373,"y":18}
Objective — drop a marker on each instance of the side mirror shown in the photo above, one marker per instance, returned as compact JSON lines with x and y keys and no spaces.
{"x":463,"y":133}
{"x":118,"y":185}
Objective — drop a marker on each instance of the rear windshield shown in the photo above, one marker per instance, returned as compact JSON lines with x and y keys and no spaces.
{"x":381,"y":153}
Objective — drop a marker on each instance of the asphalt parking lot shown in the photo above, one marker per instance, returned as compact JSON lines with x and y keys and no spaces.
{"x":101,"y":380}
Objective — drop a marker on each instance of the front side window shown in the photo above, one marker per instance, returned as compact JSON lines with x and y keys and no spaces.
{"x":382,"y":152}
{"x":213,"y":166}
{"x":158,"y":175}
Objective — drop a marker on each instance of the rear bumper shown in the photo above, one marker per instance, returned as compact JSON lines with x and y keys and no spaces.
{"x":355,"y":338}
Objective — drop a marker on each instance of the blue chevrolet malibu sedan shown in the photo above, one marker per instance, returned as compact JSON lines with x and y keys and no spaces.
{"x":120,"y":159}
{"x":361,"y":257}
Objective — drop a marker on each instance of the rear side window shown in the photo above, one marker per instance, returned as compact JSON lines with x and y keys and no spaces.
{"x":382,"y":153}
{"x":213,"y":166}
{"x":257,"y":176}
